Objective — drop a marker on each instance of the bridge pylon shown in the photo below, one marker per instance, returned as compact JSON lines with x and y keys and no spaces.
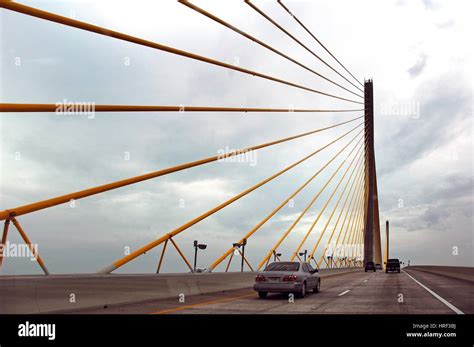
{"x":372,"y":244}
{"x":387,"y":244}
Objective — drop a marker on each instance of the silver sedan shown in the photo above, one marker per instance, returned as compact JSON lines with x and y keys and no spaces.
{"x":287,"y":277}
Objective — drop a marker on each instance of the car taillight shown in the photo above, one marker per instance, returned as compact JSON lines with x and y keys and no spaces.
{"x":260,"y":278}
{"x":290,"y":278}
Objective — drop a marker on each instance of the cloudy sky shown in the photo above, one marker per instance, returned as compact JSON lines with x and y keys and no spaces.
{"x":417,"y":52}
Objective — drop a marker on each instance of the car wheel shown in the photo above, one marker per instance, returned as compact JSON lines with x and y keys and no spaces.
{"x":317,"y":288}
{"x":398,"y":271}
{"x":365,"y":270}
{"x":302,"y":292}
{"x":375,"y":270}
{"x":262,"y":295}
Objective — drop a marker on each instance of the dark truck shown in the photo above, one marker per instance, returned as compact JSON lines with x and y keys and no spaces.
{"x":370,"y":266}
{"x":392,"y":265}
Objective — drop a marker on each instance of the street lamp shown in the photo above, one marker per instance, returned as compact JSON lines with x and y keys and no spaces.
{"x":304,"y":254}
{"x":236,"y":246}
{"x":330,"y":260}
{"x":244,"y":242}
{"x":276,"y":255}
{"x":197,"y":246}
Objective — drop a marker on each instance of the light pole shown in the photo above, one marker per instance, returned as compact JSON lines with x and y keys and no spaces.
{"x":330,"y":260}
{"x":197,"y":246}
{"x":303,"y":254}
{"x":276,"y":255}
{"x":236,"y":246}
{"x":244,"y":242}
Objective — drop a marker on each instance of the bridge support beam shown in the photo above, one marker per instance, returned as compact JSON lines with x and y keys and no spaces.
{"x":6,"y":226}
{"x":372,"y":245}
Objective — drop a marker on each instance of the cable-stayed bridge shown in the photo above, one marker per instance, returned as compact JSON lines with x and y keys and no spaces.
{"x":344,"y":234}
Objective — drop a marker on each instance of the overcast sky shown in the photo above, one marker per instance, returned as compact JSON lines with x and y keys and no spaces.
{"x":417,"y":52}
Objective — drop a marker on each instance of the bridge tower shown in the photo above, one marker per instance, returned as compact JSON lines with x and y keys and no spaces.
{"x":387,"y":244}
{"x":372,"y":244}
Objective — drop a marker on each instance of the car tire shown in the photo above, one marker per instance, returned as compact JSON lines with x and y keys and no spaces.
{"x":317,"y":288}
{"x":375,"y":270}
{"x":262,"y":295}
{"x":365,"y":270}
{"x":398,"y":271}
{"x":302,"y":292}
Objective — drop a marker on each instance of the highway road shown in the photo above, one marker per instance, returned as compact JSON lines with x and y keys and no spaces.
{"x":409,"y":292}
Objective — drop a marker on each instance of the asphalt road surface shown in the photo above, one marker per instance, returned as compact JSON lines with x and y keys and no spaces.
{"x":411,"y":292}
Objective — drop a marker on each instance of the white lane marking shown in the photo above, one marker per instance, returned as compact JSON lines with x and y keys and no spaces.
{"x":444,"y":301}
{"x":364,"y":281}
{"x":344,"y":292}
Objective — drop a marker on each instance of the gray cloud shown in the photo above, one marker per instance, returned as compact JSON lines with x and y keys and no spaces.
{"x":441,"y":110}
{"x":418,"y":67}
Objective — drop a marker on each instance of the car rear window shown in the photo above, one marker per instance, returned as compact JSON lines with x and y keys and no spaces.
{"x":282,"y":267}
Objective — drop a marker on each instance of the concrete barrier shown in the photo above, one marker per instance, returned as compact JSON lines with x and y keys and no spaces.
{"x":340,"y":271}
{"x":56,"y":293}
{"x":38,"y":294}
{"x":463,"y":273}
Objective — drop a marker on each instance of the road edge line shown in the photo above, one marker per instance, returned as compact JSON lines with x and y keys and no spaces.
{"x":444,"y":301}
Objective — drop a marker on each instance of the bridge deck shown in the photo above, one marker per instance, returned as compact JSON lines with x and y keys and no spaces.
{"x":356,"y":292}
